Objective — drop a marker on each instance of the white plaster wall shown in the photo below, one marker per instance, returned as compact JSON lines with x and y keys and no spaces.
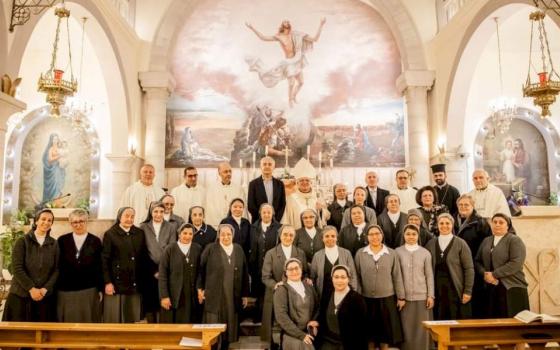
{"x":484,"y":85}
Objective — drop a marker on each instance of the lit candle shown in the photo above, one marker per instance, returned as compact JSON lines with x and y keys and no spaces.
{"x":266,"y":150}
{"x":286,"y":156}
{"x":254,"y":160}
{"x":240,"y":163}
{"x":320,"y":159}
{"x":331,"y":163}
{"x":308,"y":152}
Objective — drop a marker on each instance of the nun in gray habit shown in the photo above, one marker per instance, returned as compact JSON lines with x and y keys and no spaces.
{"x":124,"y":261}
{"x":296,"y":309}
{"x":224,"y":283}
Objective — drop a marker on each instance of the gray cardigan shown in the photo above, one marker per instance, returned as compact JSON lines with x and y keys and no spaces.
{"x":292,"y":319}
{"x":318,"y":269}
{"x":459,"y":262}
{"x":507,"y":258}
{"x":417,"y":273}
{"x":381,"y":281}
{"x":34,"y":265}
{"x":167,"y":235}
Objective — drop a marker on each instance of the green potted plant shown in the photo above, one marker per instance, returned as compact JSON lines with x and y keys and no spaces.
{"x":8,"y":238}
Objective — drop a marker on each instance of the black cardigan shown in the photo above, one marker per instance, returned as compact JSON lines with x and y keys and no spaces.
{"x":352,"y":321}
{"x":83,"y":271}
{"x":125,"y":259}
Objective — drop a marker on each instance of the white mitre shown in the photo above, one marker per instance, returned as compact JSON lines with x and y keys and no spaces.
{"x":304,"y":168}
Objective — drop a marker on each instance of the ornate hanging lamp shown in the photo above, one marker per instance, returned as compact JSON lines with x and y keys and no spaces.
{"x":544,"y":90}
{"x":52,"y":83}
{"x":502,"y":109}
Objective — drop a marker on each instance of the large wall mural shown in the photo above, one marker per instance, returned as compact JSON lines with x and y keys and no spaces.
{"x":53,"y":171}
{"x":277,"y":77}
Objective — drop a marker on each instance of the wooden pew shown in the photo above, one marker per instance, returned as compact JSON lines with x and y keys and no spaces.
{"x":505,"y":332}
{"x":39,"y":335}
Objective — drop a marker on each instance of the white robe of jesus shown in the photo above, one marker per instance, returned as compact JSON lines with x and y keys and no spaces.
{"x":218,"y":199}
{"x":139,"y":197}
{"x":297,"y":202}
{"x":490,"y":201}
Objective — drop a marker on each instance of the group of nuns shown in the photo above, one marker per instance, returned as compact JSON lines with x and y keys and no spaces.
{"x":311,"y":291}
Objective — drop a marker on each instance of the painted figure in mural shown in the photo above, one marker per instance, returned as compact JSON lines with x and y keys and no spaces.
{"x":506,"y":156}
{"x":191,"y":150}
{"x":53,"y":173}
{"x":295,"y":45}
{"x":520,"y":159}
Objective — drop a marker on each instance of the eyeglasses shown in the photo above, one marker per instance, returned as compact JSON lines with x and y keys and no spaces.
{"x":293,"y":269}
{"x":79,"y":222}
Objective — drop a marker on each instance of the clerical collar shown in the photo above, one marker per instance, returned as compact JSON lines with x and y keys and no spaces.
{"x":394,"y":217}
{"x":298,"y":287}
{"x":311,"y":232}
{"x":287,"y":251}
{"x":127,"y":230}
{"x":411,"y":247}
{"x":442,"y":186}
{"x":227,"y":248}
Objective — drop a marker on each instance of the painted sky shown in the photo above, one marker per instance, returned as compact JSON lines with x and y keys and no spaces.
{"x":351,"y":70}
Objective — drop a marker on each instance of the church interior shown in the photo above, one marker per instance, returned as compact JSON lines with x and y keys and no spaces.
{"x":359,"y":86}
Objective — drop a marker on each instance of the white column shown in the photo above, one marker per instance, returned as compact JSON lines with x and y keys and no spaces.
{"x":157,"y":87}
{"x":122,"y":167}
{"x":414,"y":85}
{"x":8,"y":106}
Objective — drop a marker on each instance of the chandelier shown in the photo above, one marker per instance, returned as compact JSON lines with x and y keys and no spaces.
{"x":544,"y":90}
{"x":52,"y":83}
{"x":502,"y":109}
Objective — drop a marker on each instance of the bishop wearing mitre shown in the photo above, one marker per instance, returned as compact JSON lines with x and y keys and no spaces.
{"x":305,"y":197}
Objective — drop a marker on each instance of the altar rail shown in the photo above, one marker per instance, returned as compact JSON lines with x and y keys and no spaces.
{"x":43,"y":335}
{"x":504,"y":332}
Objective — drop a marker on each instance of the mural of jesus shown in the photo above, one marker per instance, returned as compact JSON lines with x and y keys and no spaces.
{"x":295,"y":45}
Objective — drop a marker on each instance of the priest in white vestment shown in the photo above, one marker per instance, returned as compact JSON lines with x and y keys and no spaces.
{"x":220,"y":195}
{"x":140,"y":194}
{"x":188,"y":194}
{"x":304,"y":197}
{"x":407,"y":194}
{"x":488,"y":199}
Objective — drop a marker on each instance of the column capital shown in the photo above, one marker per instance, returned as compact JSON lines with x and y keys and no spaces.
{"x":415,"y":78}
{"x":156,"y":80}
{"x":8,"y":106}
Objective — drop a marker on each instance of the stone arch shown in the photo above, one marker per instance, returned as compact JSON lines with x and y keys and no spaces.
{"x":547,"y":131}
{"x":393,"y":12}
{"x":14,"y":147}
{"x":3,"y":41}
{"x":107,"y":49}
{"x":471,"y":44}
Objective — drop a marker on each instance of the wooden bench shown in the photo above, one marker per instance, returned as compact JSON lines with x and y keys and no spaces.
{"x":39,"y":335}
{"x":505,"y":332}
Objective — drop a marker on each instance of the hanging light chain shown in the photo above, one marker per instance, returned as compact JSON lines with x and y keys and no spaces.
{"x":55,"y":45}
{"x":541,"y":39}
{"x":499,"y":56}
